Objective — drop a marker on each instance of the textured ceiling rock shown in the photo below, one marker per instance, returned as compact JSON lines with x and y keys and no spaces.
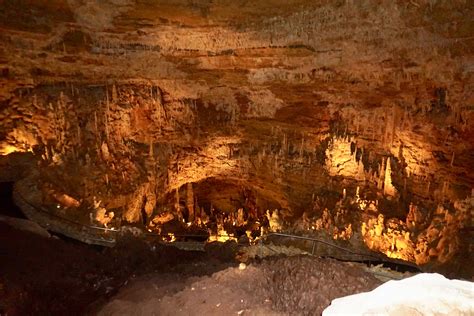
{"x":293,"y":100}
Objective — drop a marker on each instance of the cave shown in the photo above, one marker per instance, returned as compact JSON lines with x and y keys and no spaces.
{"x":137,"y":134}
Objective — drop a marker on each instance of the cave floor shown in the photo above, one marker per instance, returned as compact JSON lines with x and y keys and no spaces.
{"x":60,"y":276}
{"x":57,"y":276}
{"x":299,"y":285}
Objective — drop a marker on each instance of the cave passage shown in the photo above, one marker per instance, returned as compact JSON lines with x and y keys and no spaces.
{"x":7,"y":205}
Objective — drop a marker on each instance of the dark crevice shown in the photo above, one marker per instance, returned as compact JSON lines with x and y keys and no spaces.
{"x":7,"y":205}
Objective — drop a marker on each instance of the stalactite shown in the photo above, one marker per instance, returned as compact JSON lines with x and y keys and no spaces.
{"x":381,"y":175}
{"x":190,"y":202}
{"x":105,"y":151}
{"x":79,"y":141}
{"x":96,"y":128}
{"x":114,"y":94}
{"x":176,"y":205}
{"x":444,"y":190}
{"x":302,"y":146}
{"x":150,"y":151}
{"x":106,"y":115}
{"x":394,"y":125}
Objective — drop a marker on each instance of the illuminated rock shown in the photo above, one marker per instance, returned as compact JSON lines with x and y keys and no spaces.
{"x":342,"y":161}
{"x":388,"y":187}
{"x":422,"y":294}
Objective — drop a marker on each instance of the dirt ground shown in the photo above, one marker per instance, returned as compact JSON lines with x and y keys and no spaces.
{"x":277,"y":286}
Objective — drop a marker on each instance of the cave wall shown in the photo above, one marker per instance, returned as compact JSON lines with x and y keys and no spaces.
{"x":335,"y":112}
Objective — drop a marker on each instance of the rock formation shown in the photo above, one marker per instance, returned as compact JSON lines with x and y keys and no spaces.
{"x":182,"y":110}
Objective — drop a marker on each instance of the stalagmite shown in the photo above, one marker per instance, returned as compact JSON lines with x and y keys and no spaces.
{"x":388,"y":188}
